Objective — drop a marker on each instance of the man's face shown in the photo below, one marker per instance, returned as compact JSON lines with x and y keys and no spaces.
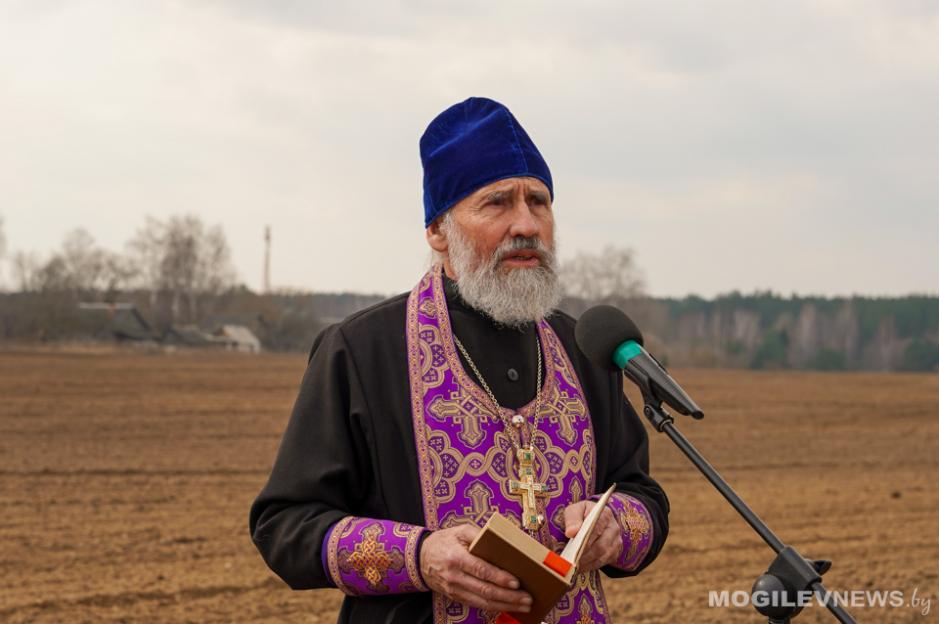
{"x":502,"y":211}
{"x":498,"y":244}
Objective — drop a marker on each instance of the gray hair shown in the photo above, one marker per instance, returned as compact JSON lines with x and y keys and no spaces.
{"x":512,"y":298}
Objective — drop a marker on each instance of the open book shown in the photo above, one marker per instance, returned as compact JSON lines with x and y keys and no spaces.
{"x":543,"y":573}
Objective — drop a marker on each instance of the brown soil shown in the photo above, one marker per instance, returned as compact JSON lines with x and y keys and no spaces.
{"x":126,"y":482}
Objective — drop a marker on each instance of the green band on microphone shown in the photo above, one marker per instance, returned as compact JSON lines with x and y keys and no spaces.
{"x":625,"y":352}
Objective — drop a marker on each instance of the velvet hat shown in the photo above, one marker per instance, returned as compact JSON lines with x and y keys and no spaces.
{"x":470,"y":145}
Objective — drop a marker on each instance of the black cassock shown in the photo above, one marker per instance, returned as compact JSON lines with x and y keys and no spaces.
{"x":349,"y":447}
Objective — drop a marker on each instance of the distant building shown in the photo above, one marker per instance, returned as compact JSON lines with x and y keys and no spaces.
{"x":229,"y":337}
{"x":115,"y":321}
{"x":186,"y":335}
{"x":122,"y":322}
{"x":238,"y":338}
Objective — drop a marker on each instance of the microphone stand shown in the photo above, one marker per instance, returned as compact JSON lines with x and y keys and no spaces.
{"x":789,"y":573}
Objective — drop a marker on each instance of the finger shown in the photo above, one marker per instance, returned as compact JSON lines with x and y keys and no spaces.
{"x":606,"y":523}
{"x":604,"y":552}
{"x":466,"y":533}
{"x":493,"y":597}
{"x":587,"y":564}
{"x":592,"y":540}
{"x":592,"y":558}
{"x":469,"y":599}
{"x":574,"y":518}
{"x":573,"y":515}
{"x":485,"y":571}
{"x":602,"y":527}
{"x":598,"y":558}
{"x":616,"y":541}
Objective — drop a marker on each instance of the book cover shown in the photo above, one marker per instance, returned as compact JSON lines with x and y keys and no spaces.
{"x":541,"y":572}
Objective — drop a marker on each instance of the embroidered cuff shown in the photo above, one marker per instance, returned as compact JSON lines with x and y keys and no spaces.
{"x":364,"y":556}
{"x":635,"y":523}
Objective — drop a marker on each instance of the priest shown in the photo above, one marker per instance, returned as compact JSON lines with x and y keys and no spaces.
{"x":421,"y":416}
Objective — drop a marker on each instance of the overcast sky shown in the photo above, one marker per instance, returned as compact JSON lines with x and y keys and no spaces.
{"x":791,"y":146}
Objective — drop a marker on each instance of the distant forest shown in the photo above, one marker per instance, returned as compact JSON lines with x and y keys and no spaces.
{"x":767,"y":331}
{"x":175,"y":278}
{"x":757,"y":331}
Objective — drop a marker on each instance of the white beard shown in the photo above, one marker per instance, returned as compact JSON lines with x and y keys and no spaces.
{"x":512,"y":297}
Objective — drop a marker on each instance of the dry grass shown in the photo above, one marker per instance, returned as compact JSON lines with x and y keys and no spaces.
{"x":126,"y":482}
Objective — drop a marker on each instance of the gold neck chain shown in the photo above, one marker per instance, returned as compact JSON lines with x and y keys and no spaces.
{"x":517,"y":419}
{"x":526,"y":486}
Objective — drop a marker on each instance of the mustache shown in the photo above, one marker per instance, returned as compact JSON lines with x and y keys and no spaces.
{"x":524,"y":242}
{"x":519,"y":243}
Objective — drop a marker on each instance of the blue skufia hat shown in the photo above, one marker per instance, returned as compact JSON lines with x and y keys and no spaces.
{"x":470,"y":145}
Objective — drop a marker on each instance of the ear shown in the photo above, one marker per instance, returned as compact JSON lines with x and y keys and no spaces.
{"x":435,"y":237}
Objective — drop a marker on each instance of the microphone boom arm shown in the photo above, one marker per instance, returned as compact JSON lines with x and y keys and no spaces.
{"x":789,"y":572}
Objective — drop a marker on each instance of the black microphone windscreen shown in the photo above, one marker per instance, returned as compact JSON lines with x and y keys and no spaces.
{"x":600,"y":330}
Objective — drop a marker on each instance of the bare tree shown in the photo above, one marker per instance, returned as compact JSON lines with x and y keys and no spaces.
{"x":84,"y":261}
{"x":81,"y":267}
{"x":117,"y":273}
{"x":26,"y":267}
{"x":93,"y":268}
{"x":146,"y":252}
{"x":609,"y":276}
{"x":35,"y":275}
{"x":182,"y":258}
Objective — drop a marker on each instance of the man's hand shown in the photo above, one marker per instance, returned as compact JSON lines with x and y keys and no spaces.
{"x":449,"y":568}
{"x":604,"y":545}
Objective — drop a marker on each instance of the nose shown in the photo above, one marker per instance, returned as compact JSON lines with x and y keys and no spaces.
{"x":524,"y":222}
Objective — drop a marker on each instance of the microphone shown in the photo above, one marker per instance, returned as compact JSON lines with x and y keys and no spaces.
{"x":611,"y":340}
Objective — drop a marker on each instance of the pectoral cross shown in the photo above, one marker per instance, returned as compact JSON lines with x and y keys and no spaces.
{"x":528,"y":489}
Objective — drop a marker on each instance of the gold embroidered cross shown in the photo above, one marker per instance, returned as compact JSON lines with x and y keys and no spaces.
{"x":479,"y":496}
{"x":586,"y":613}
{"x":564,"y":411}
{"x":528,"y":489}
{"x":459,"y":411}
{"x":638,"y":529}
{"x":371,"y":560}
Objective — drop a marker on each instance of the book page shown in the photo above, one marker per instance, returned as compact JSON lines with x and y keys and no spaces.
{"x":575,"y":547}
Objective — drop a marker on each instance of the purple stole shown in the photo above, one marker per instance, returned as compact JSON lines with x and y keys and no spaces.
{"x":465,"y":458}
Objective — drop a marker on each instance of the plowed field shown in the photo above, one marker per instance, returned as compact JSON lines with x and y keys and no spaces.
{"x":125,"y":482}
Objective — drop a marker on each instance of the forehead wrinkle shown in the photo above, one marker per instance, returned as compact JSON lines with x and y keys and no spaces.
{"x":530,"y":186}
{"x":502,"y":186}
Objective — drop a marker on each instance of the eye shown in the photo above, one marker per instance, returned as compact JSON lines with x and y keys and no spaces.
{"x":496,"y":200}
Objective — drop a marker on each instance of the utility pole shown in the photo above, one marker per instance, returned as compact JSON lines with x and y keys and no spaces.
{"x":266,"y":278}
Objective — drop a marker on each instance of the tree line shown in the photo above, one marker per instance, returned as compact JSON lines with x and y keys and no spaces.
{"x":178,"y":261}
{"x":178,"y":270}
